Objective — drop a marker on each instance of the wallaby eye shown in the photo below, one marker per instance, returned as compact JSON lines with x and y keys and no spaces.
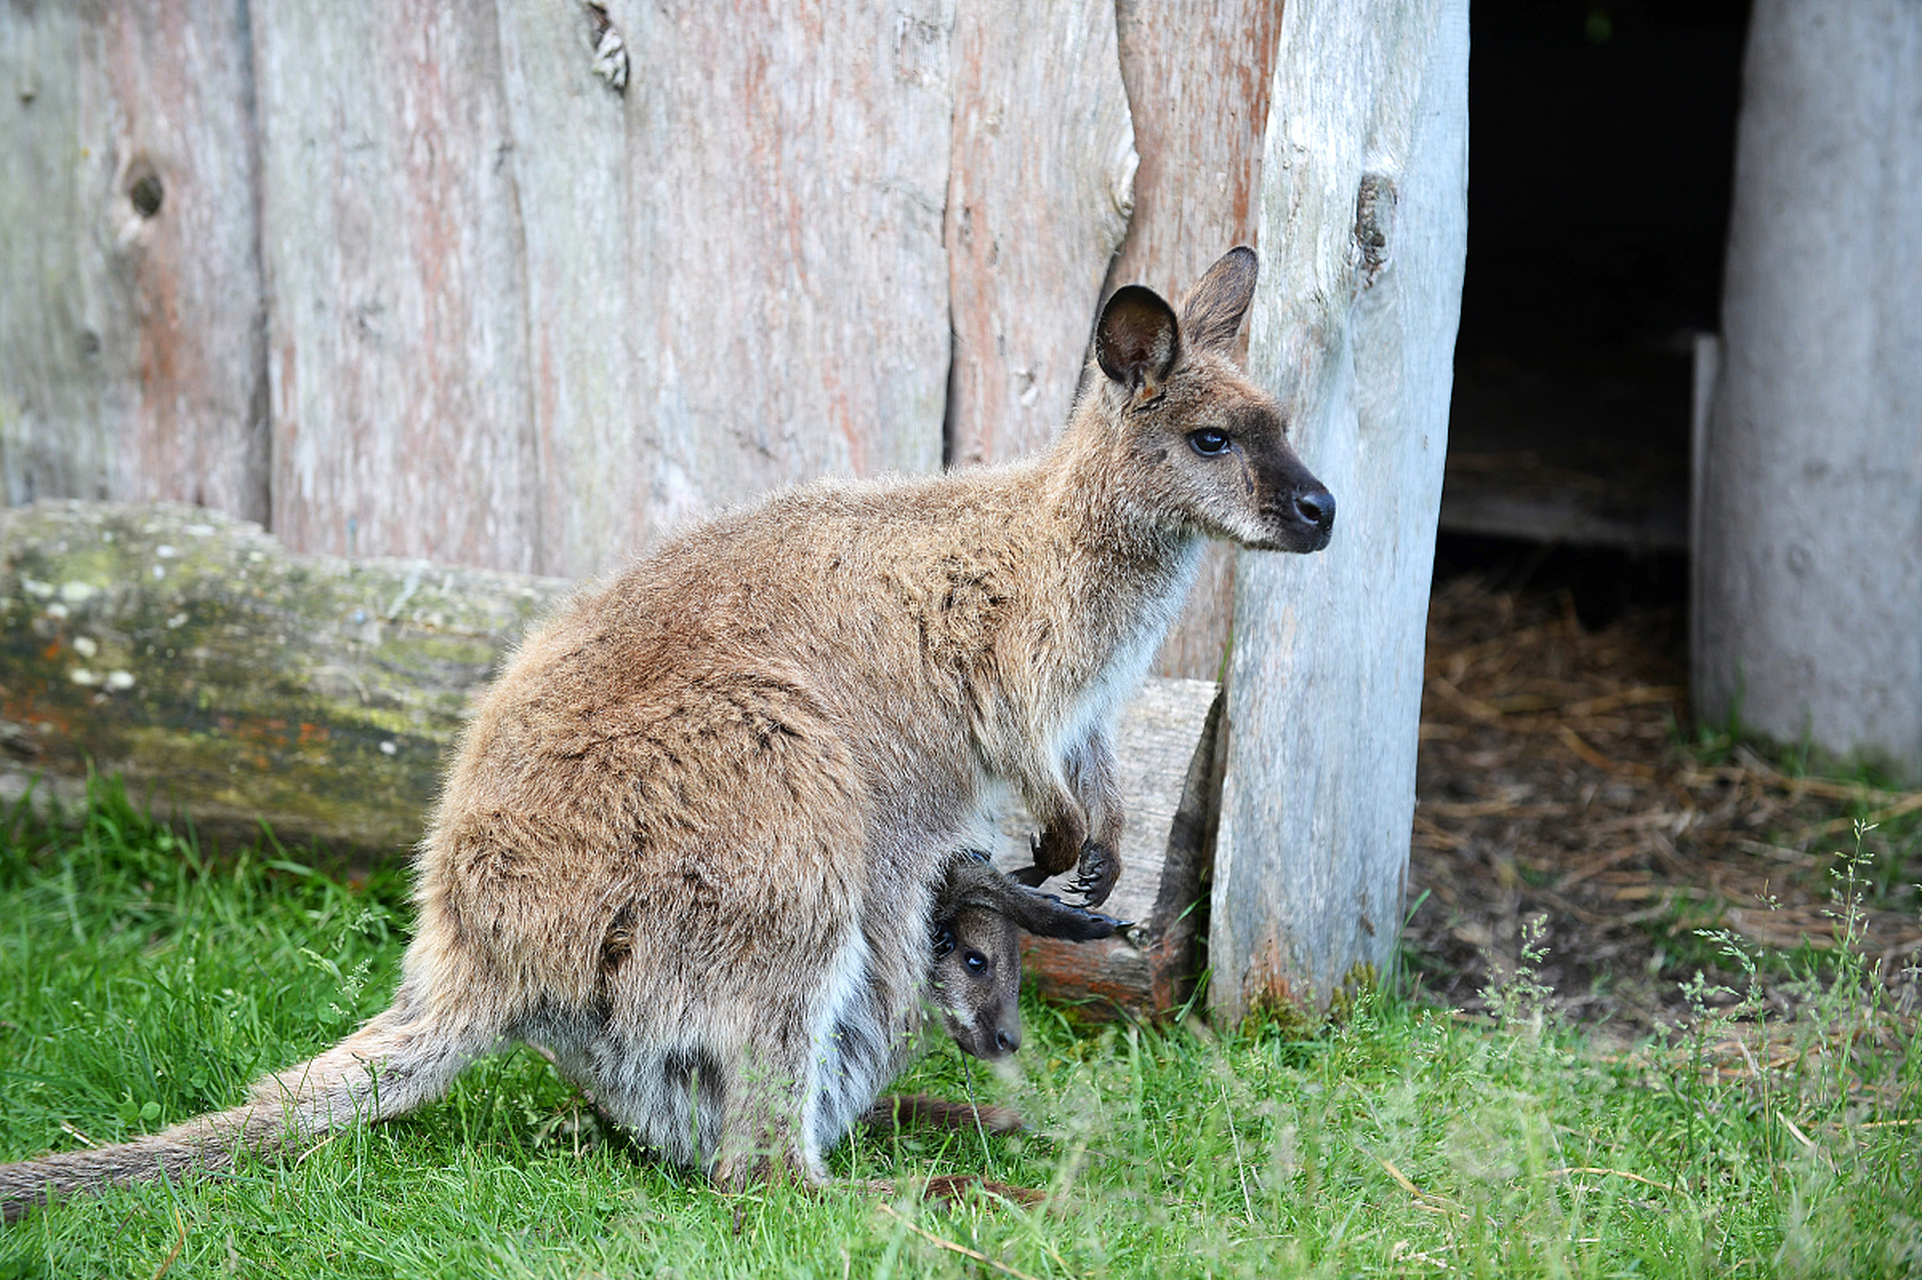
{"x":1209,"y":442}
{"x":976,"y":962}
{"x":943,"y":941}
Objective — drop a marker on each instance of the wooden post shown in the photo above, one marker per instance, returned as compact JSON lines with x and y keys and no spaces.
{"x":1808,"y":560}
{"x":1364,"y":230}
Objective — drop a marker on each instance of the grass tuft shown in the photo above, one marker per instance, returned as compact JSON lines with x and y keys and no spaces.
{"x":142,"y":981}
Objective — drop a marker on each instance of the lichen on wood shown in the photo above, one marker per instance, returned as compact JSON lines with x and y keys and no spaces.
{"x":229,"y":679}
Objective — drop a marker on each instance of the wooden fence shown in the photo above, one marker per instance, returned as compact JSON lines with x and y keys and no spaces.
{"x":519,"y":286}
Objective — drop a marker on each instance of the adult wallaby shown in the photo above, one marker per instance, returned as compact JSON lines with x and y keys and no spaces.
{"x":691,"y":838}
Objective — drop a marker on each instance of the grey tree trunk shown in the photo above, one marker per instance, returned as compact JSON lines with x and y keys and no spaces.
{"x":1808,"y":588}
{"x":1364,"y":224}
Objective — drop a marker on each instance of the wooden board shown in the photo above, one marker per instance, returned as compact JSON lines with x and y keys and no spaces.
{"x":1038,"y":200}
{"x":132,"y":357}
{"x":735,"y":268}
{"x":530,"y":320}
{"x":1199,"y":93}
{"x":391,"y":233}
{"x":1166,"y":754}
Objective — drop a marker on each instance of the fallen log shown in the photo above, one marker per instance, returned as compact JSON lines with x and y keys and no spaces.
{"x":234,"y":683}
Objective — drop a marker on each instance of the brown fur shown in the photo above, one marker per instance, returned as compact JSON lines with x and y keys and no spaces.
{"x":691,"y":838}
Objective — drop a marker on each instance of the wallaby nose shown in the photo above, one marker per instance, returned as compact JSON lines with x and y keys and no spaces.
{"x":1317,"y":508}
{"x":1007,"y":1041}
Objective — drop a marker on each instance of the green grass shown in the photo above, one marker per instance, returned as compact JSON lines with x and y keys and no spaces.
{"x":142,"y":982}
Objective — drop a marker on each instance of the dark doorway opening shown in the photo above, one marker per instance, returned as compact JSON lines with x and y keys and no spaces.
{"x":1600,"y":161}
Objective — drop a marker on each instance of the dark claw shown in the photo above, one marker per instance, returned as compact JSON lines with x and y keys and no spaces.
{"x":1096,"y":875}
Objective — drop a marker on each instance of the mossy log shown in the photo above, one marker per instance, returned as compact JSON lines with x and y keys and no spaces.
{"x":234,"y":683}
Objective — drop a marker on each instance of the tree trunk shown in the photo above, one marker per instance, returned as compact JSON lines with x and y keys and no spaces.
{"x":1364,"y":225}
{"x":1808,"y":588}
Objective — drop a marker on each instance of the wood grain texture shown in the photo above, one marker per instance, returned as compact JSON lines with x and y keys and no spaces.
{"x":1169,"y":770}
{"x":233,"y":681}
{"x":391,"y":239}
{"x":1808,"y":555}
{"x":1198,"y":89}
{"x":736,"y":273}
{"x":1038,"y":200}
{"x":1364,"y":219}
{"x":132,"y":362}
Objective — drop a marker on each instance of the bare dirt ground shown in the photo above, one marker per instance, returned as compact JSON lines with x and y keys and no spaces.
{"x":1560,"y":780}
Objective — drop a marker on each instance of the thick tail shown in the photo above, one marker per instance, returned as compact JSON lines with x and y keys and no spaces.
{"x":400,"y":1060}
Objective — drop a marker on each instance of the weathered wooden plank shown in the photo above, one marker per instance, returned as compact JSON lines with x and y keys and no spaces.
{"x":391,"y":232}
{"x":237,"y":682}
{"x":735,"y":269}
{"x":1165,"y":750}
{"x":1198,"y":88}
{"x":589,"y":350}
{"x":1038,"y":200}
{"x":132,"y":358}
{"x":1364,"y":219}
{"x":231,"y":680}
{"x":1808,"y":569}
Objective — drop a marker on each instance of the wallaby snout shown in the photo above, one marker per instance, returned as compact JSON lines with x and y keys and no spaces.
{"x":1301,"y":512}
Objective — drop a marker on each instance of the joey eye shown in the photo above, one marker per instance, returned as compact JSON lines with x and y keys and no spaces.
{"x":1209,"y":442}
{"x":976,"y":962}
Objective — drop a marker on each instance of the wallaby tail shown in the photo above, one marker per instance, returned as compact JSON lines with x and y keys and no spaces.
{"x":400,"y":1060}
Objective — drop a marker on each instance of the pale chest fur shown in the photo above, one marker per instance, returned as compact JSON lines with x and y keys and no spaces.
{"x":1139,"y":623}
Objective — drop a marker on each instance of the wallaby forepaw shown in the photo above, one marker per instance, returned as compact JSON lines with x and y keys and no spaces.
{"x":1096,"y":877}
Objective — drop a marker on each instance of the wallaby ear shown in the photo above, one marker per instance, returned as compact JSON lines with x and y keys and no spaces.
{"x":1211,"y":314}
{"x":1137,"y":339}
{"x":972,"y":881}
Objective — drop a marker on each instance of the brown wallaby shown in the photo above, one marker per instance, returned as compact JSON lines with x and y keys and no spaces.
{"x":691,"y":838}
